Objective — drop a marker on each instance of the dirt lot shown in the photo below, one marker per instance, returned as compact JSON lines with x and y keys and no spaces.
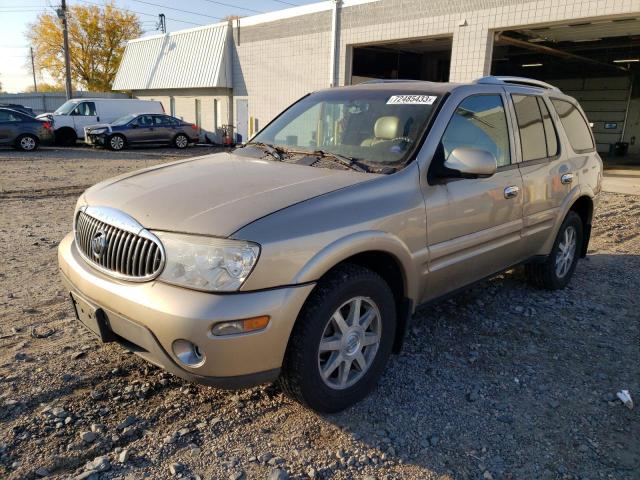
{"x":502,"y":381}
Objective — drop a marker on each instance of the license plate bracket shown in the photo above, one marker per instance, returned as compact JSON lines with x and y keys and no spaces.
{"x":92,"y":317}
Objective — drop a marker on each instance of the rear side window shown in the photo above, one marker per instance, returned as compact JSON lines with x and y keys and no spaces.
{"x":479,"y":122}
{"x":10,"y":116}
{"x":549,"y":129}
{"x":575,"y":125}
{"x":530,"y":125}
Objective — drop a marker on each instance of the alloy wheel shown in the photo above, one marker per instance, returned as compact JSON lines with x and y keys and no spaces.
{"x":349,"y":343}
{"x":116,"y":142}
{"x":181,"y":141}
{"x":27,"y":143}
{"x":566,"y":252}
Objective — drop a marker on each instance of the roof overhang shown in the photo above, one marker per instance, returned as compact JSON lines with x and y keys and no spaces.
{"x":194,"y":58}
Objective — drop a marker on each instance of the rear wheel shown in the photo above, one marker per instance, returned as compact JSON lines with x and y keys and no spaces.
{"x":557,"y":269}
{"x":341,"y":341}
{"x":27,"y":142}
{"x":181,"y":141}
{"x":116,"y":142}
{"x":66,"y":137}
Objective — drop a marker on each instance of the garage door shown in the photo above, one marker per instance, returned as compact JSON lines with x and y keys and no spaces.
{"x":604,"y":100}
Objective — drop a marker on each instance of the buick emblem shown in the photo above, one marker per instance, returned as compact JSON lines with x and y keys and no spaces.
{"x":99,"y":243}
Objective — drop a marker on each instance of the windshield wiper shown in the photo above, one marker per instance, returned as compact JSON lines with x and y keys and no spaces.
{"x":350,"y":162}
{"x":275,"y":152}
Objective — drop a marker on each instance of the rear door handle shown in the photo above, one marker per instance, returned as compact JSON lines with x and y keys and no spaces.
{"x":511,"y":192}
{"x":567,"y":178}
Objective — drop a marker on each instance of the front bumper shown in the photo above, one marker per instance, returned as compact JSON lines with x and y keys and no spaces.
{"x":96,"y":139}
{"x":148,"y":317}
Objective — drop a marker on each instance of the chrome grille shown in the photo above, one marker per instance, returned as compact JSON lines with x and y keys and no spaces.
{"x":117,"y":251}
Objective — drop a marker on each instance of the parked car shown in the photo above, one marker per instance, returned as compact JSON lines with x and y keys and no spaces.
{"x":22,"y":131}
{"x":302,"y":255}
{"x":72,"y":116}
{"x":20,"y":108}
{"x":135,"y":129}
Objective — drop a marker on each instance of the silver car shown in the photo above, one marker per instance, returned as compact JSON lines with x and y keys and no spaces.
{"x":301,"y":256}
{"x":142,"y":129}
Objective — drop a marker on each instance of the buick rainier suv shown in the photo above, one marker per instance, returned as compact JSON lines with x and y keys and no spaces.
{"x":300,"y":256}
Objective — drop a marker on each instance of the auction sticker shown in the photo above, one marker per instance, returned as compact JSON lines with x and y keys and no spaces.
{"x":411,"y":100}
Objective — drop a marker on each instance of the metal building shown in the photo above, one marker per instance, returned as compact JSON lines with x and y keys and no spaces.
{"x":247,"y":70}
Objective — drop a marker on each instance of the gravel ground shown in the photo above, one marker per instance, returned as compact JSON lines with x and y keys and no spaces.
{"x":502,"y":381}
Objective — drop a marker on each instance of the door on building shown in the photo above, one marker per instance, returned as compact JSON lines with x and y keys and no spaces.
{"x":242,"y":120}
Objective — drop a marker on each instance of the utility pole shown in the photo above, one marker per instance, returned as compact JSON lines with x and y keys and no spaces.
{"x":62,"y":14}
{"x":33,"y":69}
{"x":162,"y":23}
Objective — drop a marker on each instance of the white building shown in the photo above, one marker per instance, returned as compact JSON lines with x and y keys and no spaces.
{"x":246,"y":71}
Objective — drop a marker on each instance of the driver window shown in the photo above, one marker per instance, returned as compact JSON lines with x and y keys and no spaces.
{"x":479,"y":122}
{"x":85,"y":109}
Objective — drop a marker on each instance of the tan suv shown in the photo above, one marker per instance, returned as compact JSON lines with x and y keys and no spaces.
{"x":302,"y":255}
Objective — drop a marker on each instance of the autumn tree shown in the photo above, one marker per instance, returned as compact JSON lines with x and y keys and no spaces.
{"x":97,"y":38}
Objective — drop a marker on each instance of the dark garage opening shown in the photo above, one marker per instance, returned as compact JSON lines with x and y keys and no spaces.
{"x":597,"y":62}
{"x":420,"y":59}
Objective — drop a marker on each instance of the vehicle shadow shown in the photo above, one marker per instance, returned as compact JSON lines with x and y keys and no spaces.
{"x":515,"y":381}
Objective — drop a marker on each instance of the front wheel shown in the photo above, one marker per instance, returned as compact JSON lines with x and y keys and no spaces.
{"x":116,"y":142}
{"x":341,"y":341}
{"x":181,"y":141}
{"x":27,"y":142}
{"x":557,"y":269}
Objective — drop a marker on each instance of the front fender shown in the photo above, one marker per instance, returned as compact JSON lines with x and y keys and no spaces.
{"x":361,"y":242}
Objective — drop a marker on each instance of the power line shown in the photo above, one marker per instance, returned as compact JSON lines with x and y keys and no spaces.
{"x":232,"y":6}
{"x":176,"y":9}
{"x":140,"y":13}
{"x":287,"y":3}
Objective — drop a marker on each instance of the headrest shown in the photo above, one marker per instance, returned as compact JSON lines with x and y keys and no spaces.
{"x":386,"y":128}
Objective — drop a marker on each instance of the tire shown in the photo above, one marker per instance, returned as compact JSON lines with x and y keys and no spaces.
{"x":339,"y":291}
{"x":27,"y":142}
{"x":66,"y":137}
{"x":116,"y":142}
{"x":181,"y":141}
{"x":554,"y":273}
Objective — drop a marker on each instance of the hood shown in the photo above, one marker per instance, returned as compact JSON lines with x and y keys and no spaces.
{"x":215,"y":194}
{"x":97,"y":125}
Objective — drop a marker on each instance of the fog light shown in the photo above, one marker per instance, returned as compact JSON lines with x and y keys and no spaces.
{"x":240,"y":326}
{"x":188,"y":353}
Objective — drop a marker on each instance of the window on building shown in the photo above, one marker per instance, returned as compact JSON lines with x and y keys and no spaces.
{"x":533,"y":142}
{"x":479,"y":122}
{"x":575,"y":125}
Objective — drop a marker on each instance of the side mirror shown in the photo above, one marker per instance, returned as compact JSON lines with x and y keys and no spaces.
{"x":471,"y":162}
{"x":134,"y":125}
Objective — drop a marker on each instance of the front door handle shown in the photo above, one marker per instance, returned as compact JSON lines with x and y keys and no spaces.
{"x":511,"y":192}
{"x":566,"y":179}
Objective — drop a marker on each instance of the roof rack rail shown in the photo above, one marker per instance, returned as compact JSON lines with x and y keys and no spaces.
{"x":389,"y":80}
{"x":527,"y":82}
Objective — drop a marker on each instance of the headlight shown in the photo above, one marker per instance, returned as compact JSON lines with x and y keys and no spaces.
{"x":206,"y":263}
{"x":98,"y":131}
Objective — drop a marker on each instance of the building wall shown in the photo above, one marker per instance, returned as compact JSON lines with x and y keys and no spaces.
{"x":185,"y":107}
{"x":275,"y":63}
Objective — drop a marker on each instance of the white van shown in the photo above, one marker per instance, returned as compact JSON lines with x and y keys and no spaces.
{"x":72,"y":116}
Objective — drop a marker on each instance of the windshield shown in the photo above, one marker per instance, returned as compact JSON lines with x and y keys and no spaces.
{"x":65,"y":108}
{"x":376,"y":127}
{"x":124,"y":120}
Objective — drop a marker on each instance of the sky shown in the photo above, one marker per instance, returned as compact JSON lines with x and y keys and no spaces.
{"x":16,"y":15}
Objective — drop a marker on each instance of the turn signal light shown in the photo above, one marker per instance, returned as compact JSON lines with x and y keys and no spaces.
{"x":240,"y":326}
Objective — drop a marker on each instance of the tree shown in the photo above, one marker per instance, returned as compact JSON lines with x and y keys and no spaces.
{"x":97,"y":37}
{"x":47,"y":87}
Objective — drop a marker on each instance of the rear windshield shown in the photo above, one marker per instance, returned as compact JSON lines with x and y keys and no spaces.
{"x":379,"y":128}
{"x":124,"y":120}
